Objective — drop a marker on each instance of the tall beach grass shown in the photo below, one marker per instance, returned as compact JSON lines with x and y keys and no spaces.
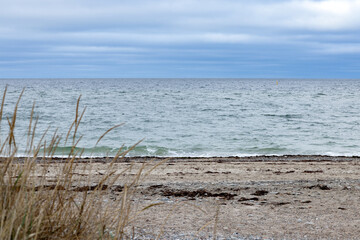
{"x":31,"y":208}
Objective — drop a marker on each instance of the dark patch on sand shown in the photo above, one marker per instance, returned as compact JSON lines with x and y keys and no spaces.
{"x":90,"y":188}
{"x":313,"y":171}
{"x":287,"y":172}
{"x":167,"y":192}
{"x":260,"y":193}
{"x":242,"y":199}
{"x":319,"y":186}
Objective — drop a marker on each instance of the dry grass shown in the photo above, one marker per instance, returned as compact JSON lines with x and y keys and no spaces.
{"x":30,"y":209}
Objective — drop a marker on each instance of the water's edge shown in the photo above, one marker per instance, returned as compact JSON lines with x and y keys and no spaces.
{"x":262,"y":158}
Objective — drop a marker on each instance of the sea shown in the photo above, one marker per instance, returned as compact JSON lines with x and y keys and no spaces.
{"x":188,"y":117}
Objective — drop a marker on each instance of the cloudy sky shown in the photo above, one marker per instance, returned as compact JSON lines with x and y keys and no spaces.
{"x":185,"y":38}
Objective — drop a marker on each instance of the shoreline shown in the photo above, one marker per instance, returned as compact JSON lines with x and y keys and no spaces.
{"x":259,"y":158}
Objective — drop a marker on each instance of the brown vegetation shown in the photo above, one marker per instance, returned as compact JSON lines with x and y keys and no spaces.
{"x":30,"y":208}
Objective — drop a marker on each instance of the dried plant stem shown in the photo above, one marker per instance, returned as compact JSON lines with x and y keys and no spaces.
{"x":32,"y":208}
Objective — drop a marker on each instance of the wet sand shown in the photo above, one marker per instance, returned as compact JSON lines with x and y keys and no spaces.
{"x":286,"y":197}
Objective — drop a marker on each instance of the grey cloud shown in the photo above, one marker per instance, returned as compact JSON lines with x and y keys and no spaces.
{"x":339,"y":48}
{"x":88,"y":33}
{"x":211,"y":15}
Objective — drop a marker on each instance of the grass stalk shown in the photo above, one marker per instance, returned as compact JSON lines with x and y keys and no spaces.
{"x":30,"y":208}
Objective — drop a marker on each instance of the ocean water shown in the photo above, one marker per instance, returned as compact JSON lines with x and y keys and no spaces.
{"x":193,"y":117}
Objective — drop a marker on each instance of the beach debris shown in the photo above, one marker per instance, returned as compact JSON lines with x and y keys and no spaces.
{"x":260,"y":193}
{"x":319,"y":186}
{"x":247,"y":203}
{"x":280,"y":203}
{"x":313,"y":171}
{"x":117,"y":188}
{"x":242,"y":199}
{"x":156,"y":186}
{"x":90,"y":188}
{"x":287,"y":172}
{"x":196,"y":193}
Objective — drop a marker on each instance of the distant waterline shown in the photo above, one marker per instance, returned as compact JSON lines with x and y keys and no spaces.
{"x":195,"y":117}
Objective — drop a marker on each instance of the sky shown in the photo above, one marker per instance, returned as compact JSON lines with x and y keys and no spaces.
{"x":180,"y":39}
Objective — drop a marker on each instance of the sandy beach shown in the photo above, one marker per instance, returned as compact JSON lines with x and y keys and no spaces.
{"x":287,"y":197}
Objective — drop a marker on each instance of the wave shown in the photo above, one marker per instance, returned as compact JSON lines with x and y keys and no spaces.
{"x":156,"y":151}
{"x":102,"y":151}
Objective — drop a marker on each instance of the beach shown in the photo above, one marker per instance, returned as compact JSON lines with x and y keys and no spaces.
{"x":281,"y":197}
{"x":175,"y":120}
{"x":284,"y":168}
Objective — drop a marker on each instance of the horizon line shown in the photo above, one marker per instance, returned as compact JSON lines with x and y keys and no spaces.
{"x":174,"y":78}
